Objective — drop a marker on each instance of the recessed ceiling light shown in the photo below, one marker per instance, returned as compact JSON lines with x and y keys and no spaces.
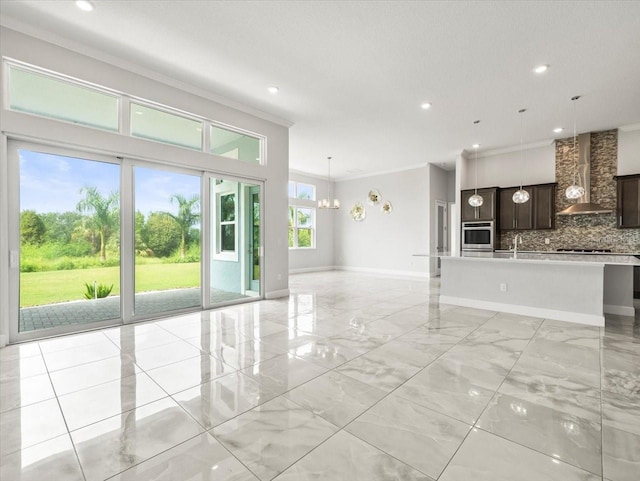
{"x":85,"y":5}
{"x":557,"y":130}
{"x":273,"y":89}
{"x":425,"y":106}
{"x":541,"y":68}
{"x":476,"y":146}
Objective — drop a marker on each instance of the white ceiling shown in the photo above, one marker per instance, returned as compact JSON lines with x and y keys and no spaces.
{"x":352,"y":74}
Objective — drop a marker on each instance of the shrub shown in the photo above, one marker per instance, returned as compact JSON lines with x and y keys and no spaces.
{"x":161,"y":234}
{"x":99,"y":291}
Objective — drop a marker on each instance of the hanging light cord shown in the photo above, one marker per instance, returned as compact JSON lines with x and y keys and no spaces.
{"x":521,"y":112}
{"x":329,"y":176}
{"x":575,"y":136}
{"x":476,"y":161}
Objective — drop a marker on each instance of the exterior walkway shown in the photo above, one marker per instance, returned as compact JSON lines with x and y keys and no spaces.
{"x":86,"y":311}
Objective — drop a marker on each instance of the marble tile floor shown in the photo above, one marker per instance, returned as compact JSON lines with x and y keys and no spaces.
{"x":353,"y":377}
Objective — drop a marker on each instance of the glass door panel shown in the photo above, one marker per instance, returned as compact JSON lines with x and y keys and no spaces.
{"x":235,"y":240}
{"x":69,"y":241}
{"x":167,"y":241}
{"x":254,"y":239}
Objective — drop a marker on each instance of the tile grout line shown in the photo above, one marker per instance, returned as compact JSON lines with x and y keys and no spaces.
{"x":64,"y":418}
{"x":522,"y":445}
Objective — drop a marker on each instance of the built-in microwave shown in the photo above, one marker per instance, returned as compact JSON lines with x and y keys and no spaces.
{"x":478,"y":236}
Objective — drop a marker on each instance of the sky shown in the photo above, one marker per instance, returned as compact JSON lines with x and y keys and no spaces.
{"x":52,"y":183}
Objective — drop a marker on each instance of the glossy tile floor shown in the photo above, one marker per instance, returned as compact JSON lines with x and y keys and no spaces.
{"x":354,"y":377}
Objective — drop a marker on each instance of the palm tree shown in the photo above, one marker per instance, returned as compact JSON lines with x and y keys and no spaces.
{"x":188,"y":215}
{"x":103,"y":211}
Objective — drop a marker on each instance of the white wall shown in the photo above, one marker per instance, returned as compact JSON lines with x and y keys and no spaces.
{"x":384,"y":242}
{"x":451,"y":186}
{"x":503,"y":169}
{"x":320,"y":258}
{"x":18,"y":125}
{"x":628,"y":152}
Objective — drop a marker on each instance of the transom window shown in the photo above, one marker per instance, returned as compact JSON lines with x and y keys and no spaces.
{"x":300,"y":190}
{"x":35,"y":91}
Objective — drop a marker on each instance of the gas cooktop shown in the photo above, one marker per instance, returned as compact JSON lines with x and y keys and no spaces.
{"x":577,"y":250}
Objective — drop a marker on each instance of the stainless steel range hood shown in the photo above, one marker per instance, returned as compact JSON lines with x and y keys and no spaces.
{"x":584,"y":206}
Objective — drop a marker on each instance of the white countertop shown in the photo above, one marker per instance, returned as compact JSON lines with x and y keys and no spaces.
{"x":540,"y":257}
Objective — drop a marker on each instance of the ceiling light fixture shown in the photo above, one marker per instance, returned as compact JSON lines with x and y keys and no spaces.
{"x":557,"y":130}
{"x":329,"y":202}
{"x":476,"y":200}
{"x":425,"y":106}
{"x":273,"y":89}
{"x":575,"y":190}
{"x":541,"y":68}
{"x":521,"y":196}
{"x":84,"y":5}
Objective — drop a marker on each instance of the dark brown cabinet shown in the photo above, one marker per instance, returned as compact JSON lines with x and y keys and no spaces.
{"x":628,"y":201}
{"x":515,"y":216}
{"x":544,"y":206}
{"x":487,"y":211}
{"x":538,"y":213}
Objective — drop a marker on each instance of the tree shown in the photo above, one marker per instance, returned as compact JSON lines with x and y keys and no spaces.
{"x":103,"y":211}
{"x":188,"y":215}
{"x":32,"y":228}
{"x":161,"y":234}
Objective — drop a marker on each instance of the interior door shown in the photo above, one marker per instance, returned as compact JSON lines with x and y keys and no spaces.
{"x":441,"y":231}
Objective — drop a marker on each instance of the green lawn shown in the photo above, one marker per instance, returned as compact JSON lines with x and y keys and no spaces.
{"x":38,"y":288}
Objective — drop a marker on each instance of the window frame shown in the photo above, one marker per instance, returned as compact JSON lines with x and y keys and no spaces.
{"x":295,"y":227}
{"x":295,"y":191}
{"x":24,"y":67}
{"x":219,"y":254}
{"x":124,"y":111}
{"x":133,"y":102}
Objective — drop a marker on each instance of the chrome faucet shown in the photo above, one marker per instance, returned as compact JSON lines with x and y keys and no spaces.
{"x":518,"y":237}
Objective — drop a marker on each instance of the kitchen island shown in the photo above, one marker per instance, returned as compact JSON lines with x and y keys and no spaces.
{"x":566,"y":287}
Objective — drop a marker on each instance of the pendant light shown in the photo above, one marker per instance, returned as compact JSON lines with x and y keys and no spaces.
{"x":520,"y":196}
{"x":329,"y":202}
{"x":575,"y":190}
{"x":476,"y":200}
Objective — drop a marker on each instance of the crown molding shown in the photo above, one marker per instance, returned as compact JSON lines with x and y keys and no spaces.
{"x":629,"y":128}
{"x":512,"y":148}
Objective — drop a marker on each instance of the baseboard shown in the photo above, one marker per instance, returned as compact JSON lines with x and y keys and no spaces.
{"x":310,"y":269}
{"x":4,"y":340}
{"x":575,"y":317}
{"x":620,"y":310}
{"x":277,"y":294}
{"x":384,"y":272}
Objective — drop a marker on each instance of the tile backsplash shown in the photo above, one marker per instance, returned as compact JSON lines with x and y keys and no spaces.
{"x":583,"y":231}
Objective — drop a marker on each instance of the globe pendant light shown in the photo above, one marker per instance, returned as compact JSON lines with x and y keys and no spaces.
{"x":520,"y":196}
{"x":476,"y":200}
{"x":329,"y":203}
{"x":575,"y":190}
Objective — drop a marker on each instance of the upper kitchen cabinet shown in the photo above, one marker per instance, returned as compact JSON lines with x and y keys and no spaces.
{"x":514,"y":216}
{"x":544,"y":206}
{"x":537,"y":213}
{"x":487,"y":211}
{"x":628,"y":201}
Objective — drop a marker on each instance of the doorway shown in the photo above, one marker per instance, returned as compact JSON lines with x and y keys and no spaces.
{"x":98,"y":240}
{"x":441,"y":232}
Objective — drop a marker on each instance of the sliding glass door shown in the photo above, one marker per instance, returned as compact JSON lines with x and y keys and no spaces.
{"x":98,"y":240}
{"x":69,"y":249}
{"x":167,"y":241}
